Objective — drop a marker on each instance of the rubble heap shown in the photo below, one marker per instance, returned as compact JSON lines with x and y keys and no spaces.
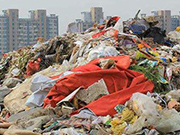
{"x":108,"y":80}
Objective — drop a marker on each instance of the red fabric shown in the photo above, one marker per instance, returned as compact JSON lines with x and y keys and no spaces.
{"x":121,"y":84}
{"x":33,"y":67}
{"x":116,"y":18}
{"x":99,"y":34}
{"x":101,"y":27}
{"x":105,"y":105}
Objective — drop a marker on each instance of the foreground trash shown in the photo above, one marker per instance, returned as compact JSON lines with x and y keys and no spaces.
{"x":107,"y":80}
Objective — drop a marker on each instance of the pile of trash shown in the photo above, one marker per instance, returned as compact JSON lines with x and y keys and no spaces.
{"x":112,"y":79}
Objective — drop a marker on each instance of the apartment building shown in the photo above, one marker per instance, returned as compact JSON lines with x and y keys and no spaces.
{"x":27,"y":32}
{"x":4,"y":34}
{"x":97,"y":14}
{"x":17,"y":32}
{"x":175,"y":19}
{"x":86,"y":16}
{"x":12,"y":15}
{"x":87,"y":20}
{"x":52,"y":26}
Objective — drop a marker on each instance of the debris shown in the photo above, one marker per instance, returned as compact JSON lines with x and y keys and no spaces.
{"x":18,"y":132}
{"x":11,"y":82}
{"x":93,"y":92}
{"x":111,"y":79}
{"x":3,"y":92}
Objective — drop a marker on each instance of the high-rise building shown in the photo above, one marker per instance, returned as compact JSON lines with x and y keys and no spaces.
{"x":79,"y":24}
{"x":87,"y":20}
{"x":40,"y":17}
{"x":76,"y":27}
{"x":27,"y":32}
{"x":12,"y":15}
{"x":4,"y":38}
{"x":164,"y":18}
{"x":97,"y":14}
{"x":175,"y":19}
{"x":86,"y":16}
{"x":52,"y":26}
{"x":16,"y":32}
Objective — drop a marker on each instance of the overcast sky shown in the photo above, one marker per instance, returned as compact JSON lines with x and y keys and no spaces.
{"x":69,"y":10}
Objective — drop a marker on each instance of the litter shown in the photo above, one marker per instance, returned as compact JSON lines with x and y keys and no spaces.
{"x":116,"y":78}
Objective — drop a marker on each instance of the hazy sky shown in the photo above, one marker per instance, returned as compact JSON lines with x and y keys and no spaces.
{"x":69,"y":10}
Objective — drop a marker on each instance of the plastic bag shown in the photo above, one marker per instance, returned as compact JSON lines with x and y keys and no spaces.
{"x":162,"y":120}
{"x":169,"y":122}
{"x":102,"y":51}
{"x":136,"y":127}
{"x":174,"y":36}
{"x":40,"y":86}
{"x":38,"y":81}
{"x":36,"y":99}
{"x":143,"y":105}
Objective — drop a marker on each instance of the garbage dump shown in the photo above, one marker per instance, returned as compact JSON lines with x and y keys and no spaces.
{"x":111,"y":79}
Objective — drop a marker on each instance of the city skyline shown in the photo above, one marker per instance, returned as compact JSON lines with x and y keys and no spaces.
{"x":16,"y":32}
{"x":68,"y":10}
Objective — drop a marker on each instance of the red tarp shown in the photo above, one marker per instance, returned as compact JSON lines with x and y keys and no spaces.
{"x":121,"y":83}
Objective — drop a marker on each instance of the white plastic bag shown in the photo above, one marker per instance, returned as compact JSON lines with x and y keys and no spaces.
{"x":102,"y":51}
{"x":143,"y":105}
{"x":36,"y":99}
{"x":38,"y":81}
{"x":163,"y":120}
{"x":174,"y":36}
